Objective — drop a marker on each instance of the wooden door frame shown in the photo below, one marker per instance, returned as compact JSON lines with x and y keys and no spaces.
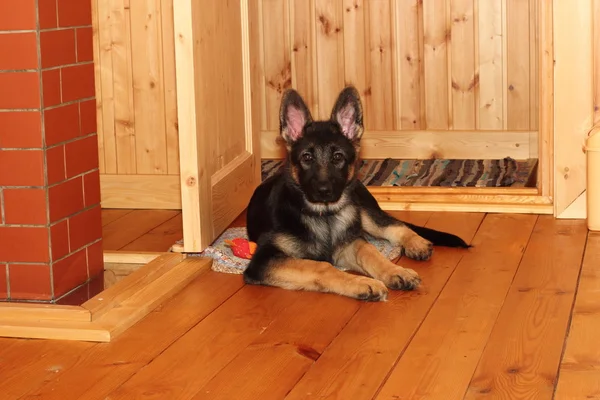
{"x":574,"y":103}
{"x":203,"y":218}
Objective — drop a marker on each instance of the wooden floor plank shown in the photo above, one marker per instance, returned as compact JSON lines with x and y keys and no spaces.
{"x":190,"y":363}
{"x":579,"y":376}
{"x":110,"y":215}
{"x":359,"y":359}
{"x":106,"y":366}
{"x":419,"y":218}
{"x":160,"y":238}
{"x":523,"y":353}
{"x":442,"y":356}
{"x":285,"y":350}
{"x":133,"y":225}
{"x":28,"y":364}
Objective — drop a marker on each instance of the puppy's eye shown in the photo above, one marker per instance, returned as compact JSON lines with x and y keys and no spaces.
{"x":337,"y":157}
{"x":307,"y":157}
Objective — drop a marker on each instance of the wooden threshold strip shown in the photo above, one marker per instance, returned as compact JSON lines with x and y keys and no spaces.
{"x":125,"y":257}
{"x":109,"y":313}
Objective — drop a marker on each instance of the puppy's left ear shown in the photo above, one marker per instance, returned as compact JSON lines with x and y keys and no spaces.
{"x":347,"y":112}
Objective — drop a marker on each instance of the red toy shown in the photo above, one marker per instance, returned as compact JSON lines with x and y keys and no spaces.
{"x":241,"y":248}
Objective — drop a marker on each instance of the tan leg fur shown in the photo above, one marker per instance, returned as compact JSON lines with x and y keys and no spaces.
{"x":300,"y":274}
{"x":362,"y":256}
{"x":415,"y":246}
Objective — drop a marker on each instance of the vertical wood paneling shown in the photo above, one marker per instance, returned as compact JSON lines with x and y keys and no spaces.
{"x":98,"y":83}
{"x":304,"y":50}
{"x":596,"y":23}
{"x":435,"y":59}
{"x":355,"y":45}
{"x":135,"y":85}
{"x":409,"y":74}
{"x":379,"y":103}
{"x":148,"y":87}
{"x":418,"y":64}
{"x":490,"y":88}
{"x":330,"y":53}
{"x":533,"y":65}
{"x":106,"y":103}
{"x":277,"y":64}
{"x":464,"y":78}
{"x":123,"y":87}
{"x":518,"y":64}
{"x":170,"y":85}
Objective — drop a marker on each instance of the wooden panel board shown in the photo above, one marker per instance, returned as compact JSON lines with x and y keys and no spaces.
{"x":408,"y":35}
{"x":490,"y":93}
{"x":304,"y":50}
{"x":429,"y":144}
{"x":596,"y":66}
{"x":161,"y":192}
{"x":518,"y":64}
{"x":135,"y":87}
{"x":379,"y":94}
{"x":123,"y":86}
{"x":277,"y":63}
{"x":436,"y":31}
{"x":330,"y":54}
{"x":356,"y":47}
{"x":464,"y":78}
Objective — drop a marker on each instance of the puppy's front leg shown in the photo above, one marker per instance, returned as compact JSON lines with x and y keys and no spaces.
{"x":381,"y":225}
{"x":300,"y":274}
{"x":362,"y":256}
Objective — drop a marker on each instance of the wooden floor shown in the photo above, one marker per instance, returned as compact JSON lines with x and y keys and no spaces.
{"x":515,"y":317}
{"x":140,"y":230}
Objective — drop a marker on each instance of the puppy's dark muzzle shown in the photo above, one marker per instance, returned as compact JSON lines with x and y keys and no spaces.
{"x":323,"y":193}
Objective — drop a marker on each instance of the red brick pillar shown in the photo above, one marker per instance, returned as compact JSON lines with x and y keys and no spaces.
{"x":50,"y":224}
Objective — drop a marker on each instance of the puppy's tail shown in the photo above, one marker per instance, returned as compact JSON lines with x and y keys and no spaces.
{"x":438,"y":238}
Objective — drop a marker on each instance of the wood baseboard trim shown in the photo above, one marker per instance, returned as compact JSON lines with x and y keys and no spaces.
{"x":125,"y":257}
{"x":451,"y":144}
{"x":111,"y":312}
{"x":151,"y":192}
{"x":517,"y":204}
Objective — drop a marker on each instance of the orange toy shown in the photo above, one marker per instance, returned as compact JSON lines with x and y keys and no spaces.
{"x":241,"y":248}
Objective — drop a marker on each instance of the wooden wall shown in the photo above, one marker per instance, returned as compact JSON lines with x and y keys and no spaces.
{"x":420,"y":65}
{"x":137,"y":103}
{"x":439,"y":78}
{"x":431,"y":64}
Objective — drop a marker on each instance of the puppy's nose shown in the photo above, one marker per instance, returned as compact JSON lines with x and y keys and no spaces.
{"x":324,"y":189}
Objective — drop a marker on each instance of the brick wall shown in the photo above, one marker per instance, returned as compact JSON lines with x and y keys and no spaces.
{"x":50,"y":223}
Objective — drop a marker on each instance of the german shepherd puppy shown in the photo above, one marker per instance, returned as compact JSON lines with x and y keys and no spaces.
{"x":314,"y":213}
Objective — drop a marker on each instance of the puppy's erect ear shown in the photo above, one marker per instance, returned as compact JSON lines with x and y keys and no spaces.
{"x":293,"y":116}
{"x":347,"y":112}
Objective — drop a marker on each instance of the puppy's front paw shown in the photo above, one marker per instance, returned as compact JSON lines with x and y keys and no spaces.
{"x":368,"y":289}
{"x":417,"y":248}
{"x":403,"y":279}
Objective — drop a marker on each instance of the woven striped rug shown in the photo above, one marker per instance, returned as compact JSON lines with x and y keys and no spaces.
{"x":506,"y":172}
